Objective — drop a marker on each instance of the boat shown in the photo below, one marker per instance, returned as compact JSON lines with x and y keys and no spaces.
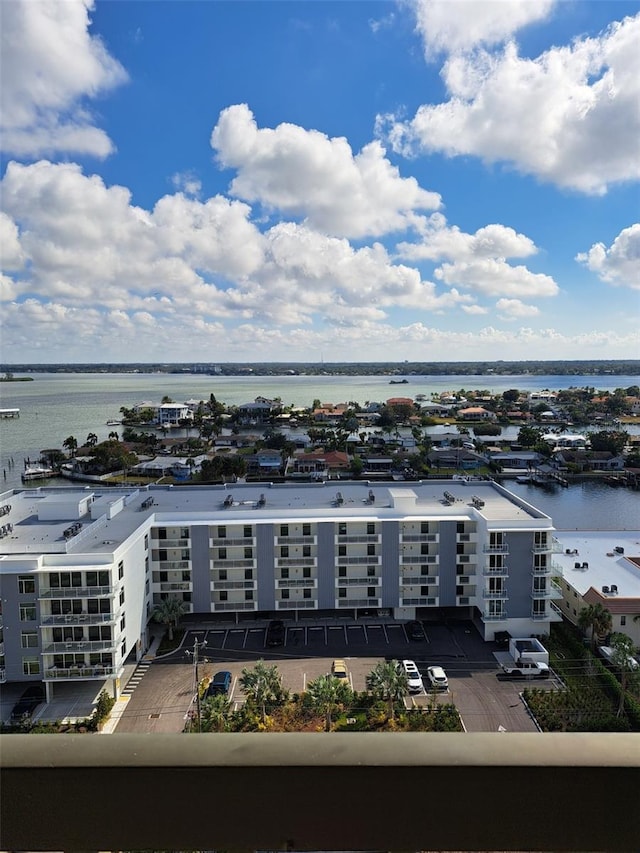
{"x":524,"y":479}
{"x":114,"y":423}
{"x":37,"y":472}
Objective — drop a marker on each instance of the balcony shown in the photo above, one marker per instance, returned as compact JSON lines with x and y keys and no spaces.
{"x":490,"y":616}
{"x":551,"y":592}
{"x":234,"y":605}
{"x":284,"y":583}
{"x":542,"y":549}
{"x":358,"y":561}
{"x":417,"y":580}
{"x":69,"y":646}
{"x":233,"y":564}
{"x":495,"y":594}
{"x":419,"y":601}
{"x":463,"y":600}
{"x":555,"y":614}
{"x":78,"y":619}
{"x":175,"y":586}
{"x":74,"y":672}
{"x":172,"y":565}
{"x":541,"y":571}
{"x":496,"y":572}
{"x":419,"y":559}
{"x":233,"y":584}
{"x":370,"y":538}
{"x":495,"y":548}
{"x":242,"y":541}
{"x":296,"y":561}
{"x":467,"y":537}
{"x":77,"y":592}
{"x":295,"y":540}
{"x":296,"y":604}
{"x":358,"y":602}
{"x":365,"y":580}
{"x":158,"y":544}
{"x":419,"y":537}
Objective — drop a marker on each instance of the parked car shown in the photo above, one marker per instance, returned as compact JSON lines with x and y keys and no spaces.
{"x":414,"y":629}
{"x":339,"y":670}
{"x":414,"y":679}
{"x":28,"y":702}
{"x":438,"y":678}
{"x":526,"y":668}
{"x":275,"y":633}
{"x":220,"y":683}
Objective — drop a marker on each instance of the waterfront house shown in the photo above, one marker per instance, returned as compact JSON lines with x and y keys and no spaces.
{"x":476,"y":413}
{"x":258,"y":412}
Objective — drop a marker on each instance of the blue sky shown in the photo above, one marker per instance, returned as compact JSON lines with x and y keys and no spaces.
{"x":294,"y":181}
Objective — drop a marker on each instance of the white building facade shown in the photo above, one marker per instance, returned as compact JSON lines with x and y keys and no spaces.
{"x":83,"y":569}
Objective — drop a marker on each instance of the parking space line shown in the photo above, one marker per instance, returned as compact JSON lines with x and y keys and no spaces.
{"x":386,"y":636}
{"x":346,"y":637}
{"x":226,"y":634}
{"x":366,"y":634}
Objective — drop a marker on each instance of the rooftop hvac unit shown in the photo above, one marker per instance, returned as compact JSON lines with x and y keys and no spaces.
{"x":619,"y":549}
{"x":605,"y":589}
{"x":614,"y":589}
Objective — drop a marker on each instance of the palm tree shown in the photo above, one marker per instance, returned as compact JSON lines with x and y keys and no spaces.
{"x":71,"y":444}
{"x":169,"y":612}
{"x":327,"y":695}
{"x":263,"y":685}
{"x":623,"y":652}
{"x":114,"y":435}
{"x":92,"y":440}
{"x":214,"y":713}
{"x":598,"y":618}
{"x":388,"y":682}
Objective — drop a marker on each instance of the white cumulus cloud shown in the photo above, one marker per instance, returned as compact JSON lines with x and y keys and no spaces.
{"x":50,"y":66}
{"x":494,"y":277}
{"x":304,"y":173}
{"x":570,"y":116}
{"x":618,"y":264}
{"x":512,"y":309}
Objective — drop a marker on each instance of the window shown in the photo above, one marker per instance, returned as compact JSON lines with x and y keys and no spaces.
{"x":342,"y":571}
{"x":248,"y":574}
{"x":371,"y":550}
{"x":342,"y":528}
{"x":222,"y":574}
{"x":164,"y":577}
{"x":460,"y":527}
{"x":162,"y":533}
{"x":186,"y":577}
{"x":26,"y":584}
{"x":284,"y":573}
{"x":27,"y":612}
{"x":371,"y":571}
{"x":222,"y":553}
{"x":146,"y":565}
{"x":146,"y":541}
{"x":424,"y":527}
{"x":424,"y":591}
{"x":30,"y":666}
{"x":122,"y":623}
{"x":284,"y":550}
{"x":306,"y":593}
{"x":539,"y":584}
{"x":120,"y":570}
{"x":184,"y":533}
{"x":371,"y":527}
{"x":29,"y":639}
{"x":248,"y":595}
{"x":306,"y":572}
{"x":248,"y":531}
{"x":223,"y":595}
{"x":424,"y":570}
{"x":342,"y":550}
{"x":623,"y":620}
{"x":99,"y":633}
{"x":222,"y":531}
{"x":306,"y":530}
{"x":306,"y":550}
{"x":123,"y":649}
{"x":248,"y":553}
{"x":284,"y":530}
{"x":342,"y":592}
{"x":284,"y":593}
{"x":371,"y":592}
{"x":121,"y":597}
{"x":459,"y":590}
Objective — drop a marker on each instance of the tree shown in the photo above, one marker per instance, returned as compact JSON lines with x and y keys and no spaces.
{"x":529,"y":436}
{"x":612,"y":440}
{"x":263,"y":686}
{"x":389,"y":683}
{"x":623,"y":658}
{"x":92,"y":439}
{"x":597,"y":618}
{"x":71,"y":444}
{"x":327,"y":695}
{"x":511,"y":395}
{"x":169,"y":612}
{"x":215,"y":712}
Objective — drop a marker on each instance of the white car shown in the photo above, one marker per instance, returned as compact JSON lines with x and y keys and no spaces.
{"x":438,"y":678}
{"x":414,"y":679}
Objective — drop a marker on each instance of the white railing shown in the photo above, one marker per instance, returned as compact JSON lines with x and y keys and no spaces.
{"x":420,"y":601}
{"x":283,"y":583}
{"x":295,"y":540}
{"x":419,"y":537}
{"x":296,"y":561}
{"x":235,"y":605}
{"x":419,"y":559}
{"x":500,"y":571}
{"x":296,"y":604}
{"x":233,"y":564}
{"x":228,"y":542}
{"x":495,"y":549}
{"x":175,"y":586}
{"x":416,"y":580}
{"x":495,"y":594}
{"x":233,"y":585}
{"x":358,"y":561}
{"x":78,"y":618}
{"x":361,"y":581}
{"x":80,"y":646}
{"x":358,"y":602}
{"x":371,"y":538}
{"x":77,"y":592}
{"x":172,"y":565}
{"x":78,"y":672}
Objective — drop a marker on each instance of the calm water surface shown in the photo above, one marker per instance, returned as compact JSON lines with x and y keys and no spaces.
{"x":54,"y":406}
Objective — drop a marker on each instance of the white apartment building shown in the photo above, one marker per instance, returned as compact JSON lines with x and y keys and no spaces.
{"x":82,"y":569}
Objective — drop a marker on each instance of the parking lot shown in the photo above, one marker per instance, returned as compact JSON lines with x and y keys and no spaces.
{"x":485,"y":701}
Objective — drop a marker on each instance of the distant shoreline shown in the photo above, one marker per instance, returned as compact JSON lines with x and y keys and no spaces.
{"x":16,"y":378}
{"x":595,"y":368}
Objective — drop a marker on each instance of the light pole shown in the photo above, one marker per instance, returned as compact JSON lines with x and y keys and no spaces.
{"x":195,"y":655}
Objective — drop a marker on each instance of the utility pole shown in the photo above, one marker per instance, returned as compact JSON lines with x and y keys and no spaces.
{"x":195,"y":655}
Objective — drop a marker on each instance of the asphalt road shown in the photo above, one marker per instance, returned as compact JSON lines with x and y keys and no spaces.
{"x":485,"y":702}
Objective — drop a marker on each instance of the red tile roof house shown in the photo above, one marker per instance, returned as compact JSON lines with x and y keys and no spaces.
{"x":476,"y":413}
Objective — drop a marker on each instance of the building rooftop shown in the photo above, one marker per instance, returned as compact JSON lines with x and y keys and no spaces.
{"x":590,"y":559}
{"x":42,"y":518}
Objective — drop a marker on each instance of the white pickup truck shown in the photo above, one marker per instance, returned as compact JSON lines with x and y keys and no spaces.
{"x":533,"y":668}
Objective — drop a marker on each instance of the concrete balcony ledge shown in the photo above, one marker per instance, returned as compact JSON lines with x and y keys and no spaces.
{"x":517,"y":782}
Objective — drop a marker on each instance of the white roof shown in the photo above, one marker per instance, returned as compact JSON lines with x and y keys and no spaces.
{"x":605,"y":566}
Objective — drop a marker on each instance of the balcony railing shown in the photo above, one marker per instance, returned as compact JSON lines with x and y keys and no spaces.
{"x":80,"y":646}
{"x":296,"y":604}
{"x":284,"y":583}
{"x":495,"y":548}
{"x":295,"y":540}
{"x":419,"y":559}
{"x":243,"y":541}
{"x":235,"y":605}
{"x":365,"y":580}
{"x":296,"y":561}
{"x":490,"y":616}
{"x":419,"y":601}
{"x":175,"y":586}
{"x":416,"y":580}
{"x":78,"y":619}
{"x":233,"y":564}
{"x":419,"y":537}
{"x":77,"y":592}
{"x":359,"y":561}
{"x":60,"y":672}
{"x":172,"y":565}
{"x":158,"y":544}
{"x":496,"y":571}
{"x":551,"y":592}
{"x":541,"y":549}
{"x":233,"y":585}
{"x":371,"y":538}
{"x":358,"y":602}
{"x":495,"y":594}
